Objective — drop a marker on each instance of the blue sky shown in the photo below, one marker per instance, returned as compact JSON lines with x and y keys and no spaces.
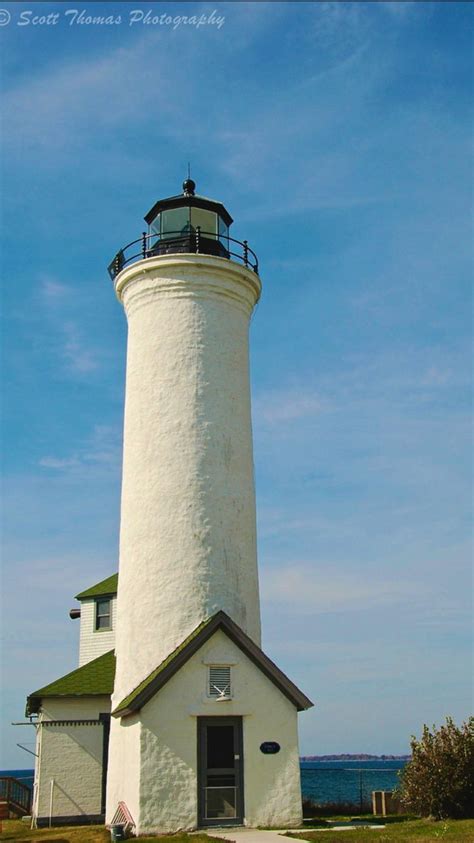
{"x":339,"y":137}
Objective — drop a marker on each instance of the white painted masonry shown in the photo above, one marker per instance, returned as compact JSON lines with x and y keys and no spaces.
{"x":188,"y":536}
{"x":95,"y":642}
{"x":124,"y":773}
{"x":70,"y":755}
{"x":164,"y":739}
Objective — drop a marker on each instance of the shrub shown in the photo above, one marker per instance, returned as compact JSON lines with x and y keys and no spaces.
{"x":439,"y":780}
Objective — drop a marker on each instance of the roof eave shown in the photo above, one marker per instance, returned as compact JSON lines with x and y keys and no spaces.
{"x":220,"y":621}
{"x":105,"y":663}
{"x":188,"y":201}
{"x":95,"y":590}
{"x":33,"y":703}
{"x":103,"y":595}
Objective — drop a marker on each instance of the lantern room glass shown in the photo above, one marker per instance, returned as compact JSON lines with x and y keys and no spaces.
{"x":175,"y":223}
{"x":206,"y":220}
{"x":155,"y":226}
{"x":223,"y":233}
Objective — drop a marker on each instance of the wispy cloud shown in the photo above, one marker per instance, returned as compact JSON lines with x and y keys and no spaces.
{"x":313,"y":589}
{"x":100,"y":452}
{"x":53,"y":112}
{"x":53,"y":291}
{"x":78,"y":358}
{"x":60,"y":306}
{"x":58,"y":463}
{"x":339,"y":27}
{"x":317,"y":586}
{"x":282,"y":406}
{"x":100,"y":90}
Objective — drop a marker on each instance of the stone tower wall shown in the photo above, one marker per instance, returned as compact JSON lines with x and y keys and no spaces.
{"x":188,"y":536}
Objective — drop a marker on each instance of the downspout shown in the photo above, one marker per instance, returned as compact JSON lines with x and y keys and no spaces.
{"x":36,"y":785}
{"x":51,"y":790}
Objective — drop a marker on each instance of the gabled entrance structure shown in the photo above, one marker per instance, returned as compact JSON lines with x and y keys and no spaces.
{"x":202,"y":750}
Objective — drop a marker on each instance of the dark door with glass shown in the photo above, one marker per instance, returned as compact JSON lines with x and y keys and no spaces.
{"x":220,"y":771}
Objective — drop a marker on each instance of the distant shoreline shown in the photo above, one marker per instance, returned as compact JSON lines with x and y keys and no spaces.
{"x":360,"y":757}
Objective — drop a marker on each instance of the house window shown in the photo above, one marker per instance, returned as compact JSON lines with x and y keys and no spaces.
{"x":103,"y":617}
{"x":219,"y":682}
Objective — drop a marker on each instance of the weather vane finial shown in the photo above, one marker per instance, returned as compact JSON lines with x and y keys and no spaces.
{"x":188,"y":184}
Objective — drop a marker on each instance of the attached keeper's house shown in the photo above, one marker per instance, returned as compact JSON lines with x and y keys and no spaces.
{"x":73,"y":718}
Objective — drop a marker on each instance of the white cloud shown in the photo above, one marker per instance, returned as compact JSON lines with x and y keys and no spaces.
{"x":53,"y":291}
{"x":58,"y":463}
{"x":68,"y":103}
{"x":104,"y":447}
{"x":100,"y":452}
{"x":78,"y":358}
{"x":53,"y":108}
{"x":281,"y":406}
{"x":310,"y":588}
{"x":337,"y":27}
{"x":58,"y":304}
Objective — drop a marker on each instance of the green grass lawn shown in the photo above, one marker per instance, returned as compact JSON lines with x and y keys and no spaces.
{"x":18,"y":831}
{"x":408,"y":831}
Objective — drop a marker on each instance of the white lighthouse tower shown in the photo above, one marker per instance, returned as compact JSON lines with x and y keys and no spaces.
{"x":204,"y":725}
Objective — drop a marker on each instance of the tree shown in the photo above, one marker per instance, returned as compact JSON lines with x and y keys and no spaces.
{"x":439,"y":780}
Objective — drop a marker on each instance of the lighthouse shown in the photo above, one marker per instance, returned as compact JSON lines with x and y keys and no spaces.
{"x":203,"y":729}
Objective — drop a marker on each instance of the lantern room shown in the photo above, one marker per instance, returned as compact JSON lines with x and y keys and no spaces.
{"x":189,"y":223}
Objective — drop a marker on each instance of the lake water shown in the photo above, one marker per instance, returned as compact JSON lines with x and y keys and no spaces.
{"x":23,"y":776}
{"x":344,"y":781}
{"x":321,"y":781}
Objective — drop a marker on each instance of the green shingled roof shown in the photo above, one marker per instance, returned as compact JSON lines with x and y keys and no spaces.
{"x":108,"y":586}
{"x":96,"y":678}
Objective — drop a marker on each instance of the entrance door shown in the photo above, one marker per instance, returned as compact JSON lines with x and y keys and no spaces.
{"x":220,"y":771}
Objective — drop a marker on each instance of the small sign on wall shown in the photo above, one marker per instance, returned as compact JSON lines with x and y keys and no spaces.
{"x":269,"y":747}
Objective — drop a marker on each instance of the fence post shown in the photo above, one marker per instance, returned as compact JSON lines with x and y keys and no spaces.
{"x":144,"y":244}
{"x":246,"y":253}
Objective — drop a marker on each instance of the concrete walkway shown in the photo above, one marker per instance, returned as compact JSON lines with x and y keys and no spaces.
{"x":256,"y":835}
{"x":250,"y":835}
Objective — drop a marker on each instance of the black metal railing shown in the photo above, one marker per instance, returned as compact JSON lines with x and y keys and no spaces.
{"x":16,"y":794}
{"x":195,"y":241}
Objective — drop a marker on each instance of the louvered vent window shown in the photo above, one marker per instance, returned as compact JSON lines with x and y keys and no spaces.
{"x":219,"y":682}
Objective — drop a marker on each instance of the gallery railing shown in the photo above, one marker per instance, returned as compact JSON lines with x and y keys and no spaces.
{"x":195,"y":241}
